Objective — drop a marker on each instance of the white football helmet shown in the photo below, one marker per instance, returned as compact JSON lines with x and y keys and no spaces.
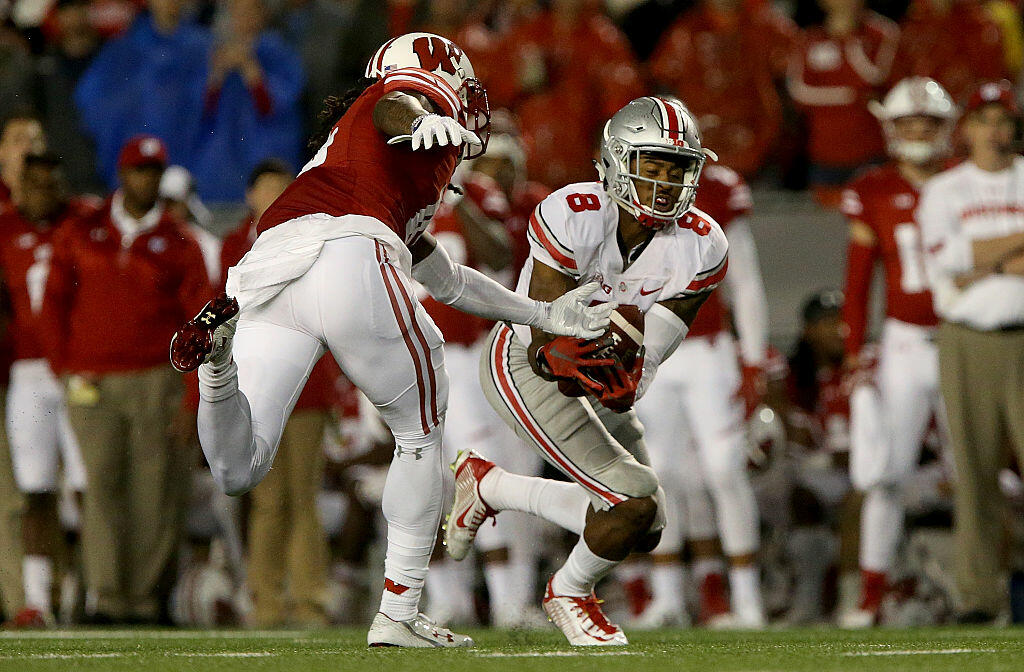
{"x":445,"y":59}
{"x":654,"y":125}
{"x":912,"y":97}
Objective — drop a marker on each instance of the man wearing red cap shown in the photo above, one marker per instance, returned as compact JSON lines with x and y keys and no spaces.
{"x":120,"y":281}
{"x":972,"y":228}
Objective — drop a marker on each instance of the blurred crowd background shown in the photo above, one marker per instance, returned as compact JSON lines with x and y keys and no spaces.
{"x":200,"y":112}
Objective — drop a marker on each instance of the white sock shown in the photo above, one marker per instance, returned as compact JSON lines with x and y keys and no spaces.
{"x":412,"y":507}
{"x":667,"y":584}
{"x":564,"y":504}
{"x":37,"y":572}
{"x":745,"y":594}
{"x":703,"y":567}
{"x":581,"y":571}
{"x":881,"y":522}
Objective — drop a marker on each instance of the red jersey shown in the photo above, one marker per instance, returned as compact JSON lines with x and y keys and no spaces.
{"x":827,"y":418}
{"x":455,"y":325}
{"x":563,"y":80}
{"x":25,"y":253}
{"x":885,"y":201}
{"x":724,"y":67}
{"x":319,"y":392}
{"x":725,"y":196}
{"x":832,"y":79}
{"x":357,"y":173}
{"x":526,"y":196}
{"x":114,"y":305}
{"x":959,"y":48}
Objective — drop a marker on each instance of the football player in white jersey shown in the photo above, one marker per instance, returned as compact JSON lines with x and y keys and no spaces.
{"x":637,"y":234}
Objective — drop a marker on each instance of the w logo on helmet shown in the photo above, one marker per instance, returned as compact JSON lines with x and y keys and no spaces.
{"x":435,"y":53}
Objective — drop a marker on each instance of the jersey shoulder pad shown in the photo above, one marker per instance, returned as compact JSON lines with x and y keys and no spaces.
{"x":700,"y":229}
{"x":427,"y":83}
{"x":567,"y":223}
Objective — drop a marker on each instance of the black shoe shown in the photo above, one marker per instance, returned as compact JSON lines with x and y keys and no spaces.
{"x":975,"y":617}
{"x":99,"y":618}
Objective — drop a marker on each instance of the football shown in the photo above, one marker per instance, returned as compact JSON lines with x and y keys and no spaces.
{"x":627,"y":332}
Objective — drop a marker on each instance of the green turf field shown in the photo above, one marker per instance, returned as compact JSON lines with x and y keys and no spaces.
{"x":959,"y":650}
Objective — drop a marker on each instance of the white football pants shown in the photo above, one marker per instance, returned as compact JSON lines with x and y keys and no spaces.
{"x":888,"y":425}
{"x":356,"y":302}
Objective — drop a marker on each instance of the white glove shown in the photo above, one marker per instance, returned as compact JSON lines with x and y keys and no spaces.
{"x":433,"y":129}
{"x":569,"y":314}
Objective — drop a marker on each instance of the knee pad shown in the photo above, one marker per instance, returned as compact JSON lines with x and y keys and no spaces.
{"x":416,"y":445}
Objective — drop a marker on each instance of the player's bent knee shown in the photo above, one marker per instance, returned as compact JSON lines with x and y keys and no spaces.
{"x":636,"y":513}
{"x":648,"y":543}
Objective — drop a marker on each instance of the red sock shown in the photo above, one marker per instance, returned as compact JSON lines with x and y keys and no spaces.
{"x":872,"y":590}
{"x":638,"y":594}
{"x":713,"y":599}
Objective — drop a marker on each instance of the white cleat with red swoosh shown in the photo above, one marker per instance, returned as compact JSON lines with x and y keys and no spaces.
{"x":469,"y":510}
{"x":581,"y":620}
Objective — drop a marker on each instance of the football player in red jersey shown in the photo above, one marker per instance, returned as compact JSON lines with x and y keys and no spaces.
{"x":331,"y":267}
{"x":37,"y":423}
{"x":890,"y":419}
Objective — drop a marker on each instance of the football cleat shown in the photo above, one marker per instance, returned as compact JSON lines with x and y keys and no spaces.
{"x":418,"y":632}
{"x":201,"y":339}
{"x":469,"y":510}
{"x":858,"y":619}
{"x":30,"y":618}
{"x":581,"y":620}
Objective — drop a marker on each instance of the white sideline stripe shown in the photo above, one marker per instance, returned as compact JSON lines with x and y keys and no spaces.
{"x":920,"y":652}
{"x":143,"y":634}
{"x":558,"y":654}
{"x":134,"y":654}
{"x":64,"y":656}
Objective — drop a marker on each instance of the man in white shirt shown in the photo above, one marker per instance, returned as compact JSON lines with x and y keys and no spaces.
{"x":972,"y":226}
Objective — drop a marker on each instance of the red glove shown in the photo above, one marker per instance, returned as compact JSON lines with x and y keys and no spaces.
{"x":752,"y":389}
{"x":565,"y":357}
{"x":620,"y":384}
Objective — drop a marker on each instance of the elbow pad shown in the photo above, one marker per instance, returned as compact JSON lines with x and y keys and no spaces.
{"x":663,"y":332}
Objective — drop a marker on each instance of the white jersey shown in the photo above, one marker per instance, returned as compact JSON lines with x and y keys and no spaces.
{"x":574,"y":230}
{"x":958,"y":207}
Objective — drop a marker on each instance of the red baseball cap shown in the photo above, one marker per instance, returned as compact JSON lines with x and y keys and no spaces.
{"x":142,"y":150}
{"x":993,"y":93}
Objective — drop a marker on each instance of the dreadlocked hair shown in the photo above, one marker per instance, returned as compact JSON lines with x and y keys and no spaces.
{"x":333,"y":109}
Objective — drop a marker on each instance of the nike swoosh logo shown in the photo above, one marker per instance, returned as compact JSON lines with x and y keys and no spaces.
{"x":461,"y":520}
{"x":645,"y":293}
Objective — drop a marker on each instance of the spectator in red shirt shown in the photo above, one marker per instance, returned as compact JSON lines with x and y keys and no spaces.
{"x":287,"y":544}
{"x":835,"y":70}
{"x":952,"y":41}
{"x":722,"y":60}
{"x":565,"y":70}
{"x":120,"y":280}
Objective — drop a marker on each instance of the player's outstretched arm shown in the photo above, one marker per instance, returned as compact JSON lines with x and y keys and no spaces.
{"x":473,"y":292}
{"x":410,"y":116}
